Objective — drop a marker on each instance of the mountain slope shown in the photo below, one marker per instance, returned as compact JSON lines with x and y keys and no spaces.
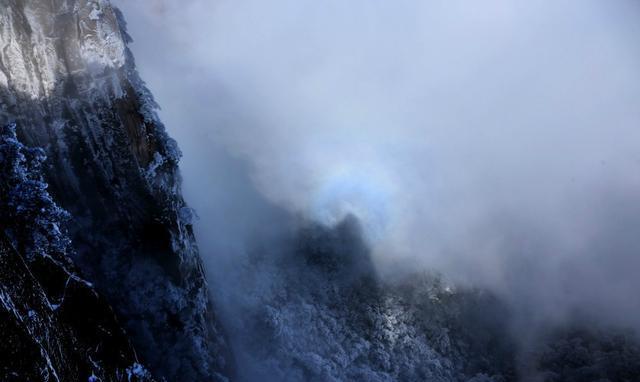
{"x":314,"y":309}
{"x":311,"y":307}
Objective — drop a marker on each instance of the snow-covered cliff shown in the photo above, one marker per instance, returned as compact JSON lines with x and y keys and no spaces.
{"x":69,"y":82}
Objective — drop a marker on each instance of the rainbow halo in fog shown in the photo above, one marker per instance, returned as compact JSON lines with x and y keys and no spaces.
{"x":351,"y":192}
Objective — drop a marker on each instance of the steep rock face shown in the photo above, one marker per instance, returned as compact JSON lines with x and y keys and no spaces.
{"x":69,"y":81}
{"x":54,"y":325}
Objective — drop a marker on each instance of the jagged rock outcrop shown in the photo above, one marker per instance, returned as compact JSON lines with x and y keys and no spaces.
{"x":54,"y":325}
{"x":69,"y":81}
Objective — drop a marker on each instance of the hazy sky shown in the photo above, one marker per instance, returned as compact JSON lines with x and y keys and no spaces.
{"x":497,"y":141}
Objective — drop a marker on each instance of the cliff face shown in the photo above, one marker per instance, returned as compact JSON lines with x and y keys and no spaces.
{"x":69,"y":82}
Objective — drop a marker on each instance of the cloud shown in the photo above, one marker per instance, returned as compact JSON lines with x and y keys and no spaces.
{"x":495,"y":141}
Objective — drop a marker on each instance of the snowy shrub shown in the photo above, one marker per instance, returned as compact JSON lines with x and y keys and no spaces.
{"x":137,"y":372}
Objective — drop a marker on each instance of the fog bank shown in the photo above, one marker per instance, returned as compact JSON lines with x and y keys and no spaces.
{"x":497,"y":142}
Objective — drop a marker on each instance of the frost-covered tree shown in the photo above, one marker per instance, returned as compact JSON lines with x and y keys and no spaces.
{"x":28,"y":215}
